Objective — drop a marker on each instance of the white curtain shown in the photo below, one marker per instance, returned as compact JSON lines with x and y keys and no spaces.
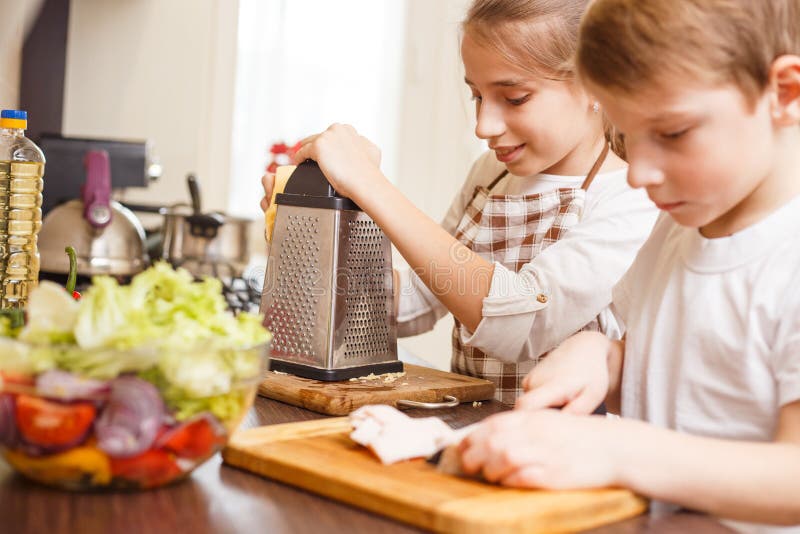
{"x":304,"y":64}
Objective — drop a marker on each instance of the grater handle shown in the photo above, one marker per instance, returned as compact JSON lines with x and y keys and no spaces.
{"x":449,"y":402}
{"x":308,"y":179}
{"x":308,"y":187}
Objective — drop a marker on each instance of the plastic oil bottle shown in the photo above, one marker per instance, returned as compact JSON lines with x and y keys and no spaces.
{"x":21,"y":173}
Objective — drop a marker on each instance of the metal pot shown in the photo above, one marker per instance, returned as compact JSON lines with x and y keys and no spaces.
{"x":204,"y":243}
{"x":107,"y":237}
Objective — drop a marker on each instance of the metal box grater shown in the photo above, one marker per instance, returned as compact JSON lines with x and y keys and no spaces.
{"x":327,"y":295}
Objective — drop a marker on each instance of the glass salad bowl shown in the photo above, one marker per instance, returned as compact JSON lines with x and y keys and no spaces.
{"x":133,"y":387}
{"x":137,"y":430}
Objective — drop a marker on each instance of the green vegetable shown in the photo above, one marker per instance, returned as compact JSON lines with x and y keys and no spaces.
{"x":52,"y":314}
{"x":102,"y":364}
{"x":223,"y":407}
{"x":104,"y":314}
{"x":165,"y":307}
{"x":22,"y":358}
{"x":6,"y":330}
{"x":73,"y":269}
{"x":175,"y":332}
{"x":185,"y":404}
{"x":11,"y":320}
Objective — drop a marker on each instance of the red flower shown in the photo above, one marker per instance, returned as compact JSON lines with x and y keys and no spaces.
{"x":279,"y":148}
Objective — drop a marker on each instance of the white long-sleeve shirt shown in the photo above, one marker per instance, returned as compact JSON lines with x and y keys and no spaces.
{"x":577,"y":272}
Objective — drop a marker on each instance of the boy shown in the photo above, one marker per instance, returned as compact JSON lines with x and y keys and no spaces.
{"x":707,"y":94}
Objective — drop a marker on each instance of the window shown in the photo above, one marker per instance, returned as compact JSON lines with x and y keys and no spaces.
{"x":304,"y":64}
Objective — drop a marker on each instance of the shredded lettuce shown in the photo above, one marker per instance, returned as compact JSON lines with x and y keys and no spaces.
{"x":185,"y":404}
{"x":162,"y":307}
{"x":52,"y":314}
{"x":11,"y":322}
{"x":21,"y":358}
{"x":224,"y":407}
{"x":102,"y":363}
{"x":103,"y":316}
{"x":6,"y":330}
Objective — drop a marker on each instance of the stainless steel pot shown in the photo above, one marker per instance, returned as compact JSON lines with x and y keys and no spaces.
{"x":205,"y":243}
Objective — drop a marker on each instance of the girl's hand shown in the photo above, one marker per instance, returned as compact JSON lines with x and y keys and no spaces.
{"x":347,"y":158}
{"x":543,"y":449}
{"x":267,"y":182}
{"x":574,"y":376}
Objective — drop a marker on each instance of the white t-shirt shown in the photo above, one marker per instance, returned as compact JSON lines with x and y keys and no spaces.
{"x":713,"y":329}
{"x":577,"y":272}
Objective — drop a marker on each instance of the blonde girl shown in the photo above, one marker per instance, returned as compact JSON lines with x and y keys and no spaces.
{"x":545,"y":222}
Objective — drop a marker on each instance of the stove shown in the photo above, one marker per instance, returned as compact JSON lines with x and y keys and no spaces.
{"x":240,"y":287}
{"x":243,"y":293}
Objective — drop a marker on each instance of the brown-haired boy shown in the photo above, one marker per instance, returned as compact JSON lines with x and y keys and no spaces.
{"x":707,"y":94}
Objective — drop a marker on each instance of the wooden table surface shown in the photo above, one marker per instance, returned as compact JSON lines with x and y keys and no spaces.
{"x":222,"y":499}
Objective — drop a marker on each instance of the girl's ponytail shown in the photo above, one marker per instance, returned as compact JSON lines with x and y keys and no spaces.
{"x":615,"y":139}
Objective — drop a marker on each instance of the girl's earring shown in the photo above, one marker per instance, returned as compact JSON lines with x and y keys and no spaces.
{"x":596,"y":107}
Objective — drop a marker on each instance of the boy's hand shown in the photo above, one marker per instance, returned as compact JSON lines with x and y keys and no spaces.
{"x":267,"y":182}
{"x":573,"y":377}
{"x":543,"y":449}
{"x":347,"y":158}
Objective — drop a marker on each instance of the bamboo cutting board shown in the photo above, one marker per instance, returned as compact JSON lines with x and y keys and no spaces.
{"x":421,"y":384}
{"x":318,"y":456}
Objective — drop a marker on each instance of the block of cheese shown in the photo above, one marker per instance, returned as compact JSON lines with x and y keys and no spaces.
{"x":282,"y":175}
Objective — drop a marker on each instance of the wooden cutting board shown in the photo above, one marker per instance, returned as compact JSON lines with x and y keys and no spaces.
{"x":318,"y":456}
{"x":421,"y":384}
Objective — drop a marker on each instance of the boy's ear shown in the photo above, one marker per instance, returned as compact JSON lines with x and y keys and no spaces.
{"x":784,"y":80}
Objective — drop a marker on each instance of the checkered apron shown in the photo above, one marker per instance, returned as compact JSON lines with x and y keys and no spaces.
{"x":512,"y":230}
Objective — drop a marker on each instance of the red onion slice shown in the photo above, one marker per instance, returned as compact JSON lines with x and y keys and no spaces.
{"x":66,"y":386}
{"x":130,"y":421}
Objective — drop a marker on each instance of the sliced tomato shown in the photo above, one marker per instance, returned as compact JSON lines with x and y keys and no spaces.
{"x":149,"y":469}
{"x":51,"y":424}
{"x":193,"y":439}
{"x":16,"y":378}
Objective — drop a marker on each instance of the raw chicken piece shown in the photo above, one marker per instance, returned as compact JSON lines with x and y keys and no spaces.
{"x":393,"y":436}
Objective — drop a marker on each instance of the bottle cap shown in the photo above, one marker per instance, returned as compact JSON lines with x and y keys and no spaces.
{"x":13,"y":118}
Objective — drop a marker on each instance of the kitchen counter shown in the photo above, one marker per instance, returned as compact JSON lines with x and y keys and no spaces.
{"x":222,"y":499}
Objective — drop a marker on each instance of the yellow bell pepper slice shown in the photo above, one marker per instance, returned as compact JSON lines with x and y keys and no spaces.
{"x":70,"y":468}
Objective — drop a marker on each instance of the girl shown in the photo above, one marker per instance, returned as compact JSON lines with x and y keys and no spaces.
{"x":545,"y":223}
{"x":709,"y":101}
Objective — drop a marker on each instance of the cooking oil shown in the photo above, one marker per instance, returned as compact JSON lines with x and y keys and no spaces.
{"x":21,"y":180}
